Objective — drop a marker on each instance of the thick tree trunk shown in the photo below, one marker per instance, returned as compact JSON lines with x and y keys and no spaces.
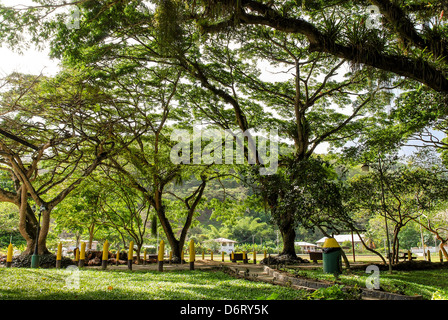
{"x":177,"y":248}
{"x":28,"y":229}
{"x":176,"y":245}
{"x":288,"y":234}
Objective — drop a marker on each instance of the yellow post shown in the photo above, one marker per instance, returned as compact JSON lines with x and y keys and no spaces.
{"x":144,"y":257}
{"x":211,"y":255}
{"x":105,"y":255}
{"x":222,"y":256}
{"x":9,"y":256}
{"x":82,"y":255}
{"x":130,"y":254}
{"x":59,"y":255}
{"x":192,"y":255}
{"x":429,"y":256}
{"x":232,"y":256}
{"x":161,"y":254}
{"x":203,"y":255}
{"x":76,"y":255}
{"x":440,"y":256}
{"x":255,"y":257}
{"x":244,"y":257}
{"x":409,"y":255}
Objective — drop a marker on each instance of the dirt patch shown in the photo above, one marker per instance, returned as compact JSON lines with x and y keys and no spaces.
{"x":45,"y":261}
{"x":283,"y":260}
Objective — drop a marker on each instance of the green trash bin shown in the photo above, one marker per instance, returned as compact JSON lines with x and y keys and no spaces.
{"x":331,"y":256}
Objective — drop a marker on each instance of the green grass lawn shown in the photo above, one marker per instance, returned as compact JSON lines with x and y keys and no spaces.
{"x":94,"y":284}
{"x":417,"y":282}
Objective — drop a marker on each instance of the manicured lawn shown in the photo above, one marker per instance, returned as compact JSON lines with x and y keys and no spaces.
{"x":94,"y":284}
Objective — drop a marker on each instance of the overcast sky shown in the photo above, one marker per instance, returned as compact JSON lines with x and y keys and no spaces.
{"x":32,"y":61}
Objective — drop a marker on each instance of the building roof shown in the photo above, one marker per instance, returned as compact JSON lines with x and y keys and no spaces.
{"x":341,"y":238}
{"x":224,"y":240}
{"x":302,"y":243}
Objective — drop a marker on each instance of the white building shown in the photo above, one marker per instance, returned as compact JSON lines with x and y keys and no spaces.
{"x":340,"y":238}
{"x":306,"y":247}
{"x":227,"y":245}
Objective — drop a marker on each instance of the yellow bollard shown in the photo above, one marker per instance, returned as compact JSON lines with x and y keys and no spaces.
{"x":76,"y":255}
{"x":409,"y":255}
{"x":222,"y":256}
{"x":429,"y":256}
{"x":9,"y":256}
{"x":232,"y":257}
{"x":203,"y":255}
{"x":144,"y":258}
{"x":82,"y":255}
{"x":211,"y":256}
{"x":130,"y":254}
{"x":244,"y":257}
{"x":192,"y":255}
{"x":255,"y":257}
{"x":440,"y":256}
{"x":105,"y":255}
{"x":59,"y":255}
{"x":161,"y":254}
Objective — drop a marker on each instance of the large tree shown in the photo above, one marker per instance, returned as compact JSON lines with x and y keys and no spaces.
{"x":315,"y":35}
{"x":47,"y":145}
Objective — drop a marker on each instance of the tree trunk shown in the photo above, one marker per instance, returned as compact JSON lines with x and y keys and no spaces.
{"x":137,"y":252}
{"x":441,"y":246}
{"x":176,"y":245}
{"x":28,"y":229}
{"x":288,"y":236}
{"x":370,"y":249}
{"x":395,"y":246}
{"x":344,"y":257}
{"x":91,"y":228}
{"x":177,"y":248}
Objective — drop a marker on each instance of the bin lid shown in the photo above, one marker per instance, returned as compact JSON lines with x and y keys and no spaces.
{"x":331,"y":243}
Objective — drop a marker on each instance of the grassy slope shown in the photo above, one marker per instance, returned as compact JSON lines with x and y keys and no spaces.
{"x":420,"y":282}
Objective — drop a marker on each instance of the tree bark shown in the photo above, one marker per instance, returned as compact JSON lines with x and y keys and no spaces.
{"x":441,"y":246}
{"x":286,"y":227}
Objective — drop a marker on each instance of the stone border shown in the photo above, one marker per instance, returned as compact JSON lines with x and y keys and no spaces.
{"x":366,"y":293}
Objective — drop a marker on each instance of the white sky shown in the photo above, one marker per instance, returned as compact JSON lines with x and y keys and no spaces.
{"x":32,"y":61}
